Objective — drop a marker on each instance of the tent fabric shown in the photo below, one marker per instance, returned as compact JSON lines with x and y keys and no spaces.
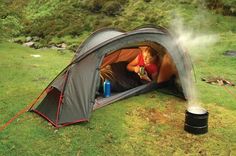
{"x":120,"y":55}
{"x":74,"y":95}
{"x":118,"y":96}
{"x":78,"y":91}
{"x":49,"y":104}
{"x":97,"y":38}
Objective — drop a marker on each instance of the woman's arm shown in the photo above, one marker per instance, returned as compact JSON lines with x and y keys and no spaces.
{"x":154,"y":76}
{"x":132,"y":66}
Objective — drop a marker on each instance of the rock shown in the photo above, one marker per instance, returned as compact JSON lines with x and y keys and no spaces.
{"x":28,"y":39}
{"x":19,"y":41}
{"x":57,"y":48}
{"x":54,"y":47}
{"x":63,"y":45}
{"x":36,"y":38}
{"x":231,"y":53}
{"x":29,"y":44}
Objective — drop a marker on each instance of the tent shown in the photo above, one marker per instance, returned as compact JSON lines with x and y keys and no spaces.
{"x":71,"y":96}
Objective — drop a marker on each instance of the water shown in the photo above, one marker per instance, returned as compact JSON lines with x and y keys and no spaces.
{"x":107,"y":88}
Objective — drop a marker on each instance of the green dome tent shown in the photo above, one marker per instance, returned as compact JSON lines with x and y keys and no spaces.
{"x":71,"y":96}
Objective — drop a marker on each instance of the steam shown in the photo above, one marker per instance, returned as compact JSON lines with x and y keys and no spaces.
{"x":196,"y":44}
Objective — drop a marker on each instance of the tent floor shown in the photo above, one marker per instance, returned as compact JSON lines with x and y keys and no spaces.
{"x":166,"y":87}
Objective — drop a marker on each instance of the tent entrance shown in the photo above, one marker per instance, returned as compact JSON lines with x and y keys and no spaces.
{"x":125,"y":83}
{"x":49,"y":105}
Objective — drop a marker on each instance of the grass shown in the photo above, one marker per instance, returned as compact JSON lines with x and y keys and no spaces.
{"x":141,"y":125}
{"x":215,"y":64}
{"x":148,"y":124}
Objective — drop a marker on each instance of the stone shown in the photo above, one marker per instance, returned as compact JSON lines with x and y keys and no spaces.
{"x":57,"y":48}
{"x":29,"y":44}
{"x":28,"y":39}
{"x":36,"y":38}
{"x":63,"y":45}
{"x":231,"y":53}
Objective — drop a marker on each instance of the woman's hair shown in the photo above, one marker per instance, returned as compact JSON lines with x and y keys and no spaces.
{"x":151,"y":51}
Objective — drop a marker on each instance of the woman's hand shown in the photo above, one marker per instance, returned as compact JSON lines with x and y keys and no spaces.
{"x":136,"y":69}
{"x":145,"y":77}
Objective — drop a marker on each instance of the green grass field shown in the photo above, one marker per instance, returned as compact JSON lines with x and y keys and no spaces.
{"x":149,"y":124}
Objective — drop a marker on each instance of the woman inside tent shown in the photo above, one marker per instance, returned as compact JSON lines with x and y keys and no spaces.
{"x":126,"y":74}
{"x":145,"y":64}
{"x":129,"y":68}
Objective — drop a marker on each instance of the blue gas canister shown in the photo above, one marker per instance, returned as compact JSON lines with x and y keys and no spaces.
{"x":107,"y":88}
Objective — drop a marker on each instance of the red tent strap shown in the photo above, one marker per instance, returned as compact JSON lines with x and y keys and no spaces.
{"x":49,"y":89}
{"x":58,"y":108}
{"x":61,"y":97}
{"x":28,"y":107}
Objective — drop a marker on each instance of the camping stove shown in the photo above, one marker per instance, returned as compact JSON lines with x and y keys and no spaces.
{"x":196,"y":120}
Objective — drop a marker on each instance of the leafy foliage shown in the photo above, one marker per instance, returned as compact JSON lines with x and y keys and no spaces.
{"x":9,"y":23}
{"x":112,"y":8}
{"x":147,"y":1}
{"x":41,"y":8}
{"x":109,"y":7}
{"x":95,"y":5}
{"x":225,"y":7}
{"x":61,"y":22}
{"x":139,"y":13}
{"x":48,"y":19}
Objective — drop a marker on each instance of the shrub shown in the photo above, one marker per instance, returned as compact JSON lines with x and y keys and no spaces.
{"x":96,"y":5}
{"x":64,"y":21}
{"x":224,"y":7}
{"x":105,"y":6}
{"x":73,"y":47}
{"x":9,"y":23}
{"x":10,"y":26}
{"x":102,"y":23}
{"x":40,"y":8}
{"x":19,"y":39}
{"x":112,"y":8}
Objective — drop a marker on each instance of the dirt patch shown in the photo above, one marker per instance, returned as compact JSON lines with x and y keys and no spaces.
{"x":154,"y":116}
{"x":171,"y":114}
{"x":161,"y":128}
{"x":218,"y":81}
